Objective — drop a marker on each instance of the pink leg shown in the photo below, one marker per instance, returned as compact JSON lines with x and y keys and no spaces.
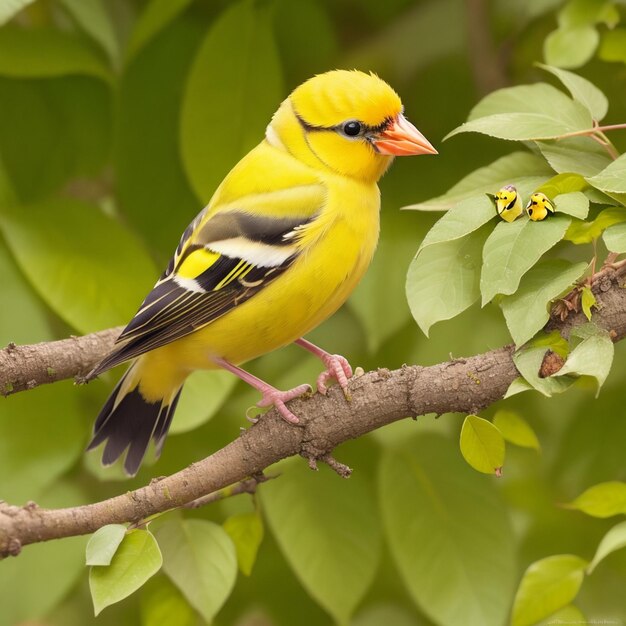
{"x":271,"y":396}
{"x":337,"y":367}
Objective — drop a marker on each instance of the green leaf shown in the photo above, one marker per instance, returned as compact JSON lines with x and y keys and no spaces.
{"x":443,"y":279}
{"x":582,"y":12}
{"x":528,"y":361}
{"x":42,"y":434}
{"x":246,"y":532}
{"x":435,"y":511}
{"x":43,"y":154}
{"x":148,"y":124}
{"x":564,"y":183}
{"x":582,"y":155}
{"x":587,"y":300}
{"x":163,"y":605}
{"x":516,"y":168}
{"x":306,"y":35}
{"x":582,"y":91}
{"x":93,"y":18}
{"x":523,"y":126}
{"x":155,"y":17}
{"x":250,"y":84}
{"x":524,"y":112}
{"x":378,"y":301}
{"x":535,"y":8}
{"x":519,"y":385}
{"x":200,"y":559}
{"x":554,"y":341}
{"x":461,"y":220}
{"x":598,"y":197}
{"x":575,"y":204}
{"x":611,"y":198}
{"x":136,"y":560}
{"x":312,"y":517}
{"x":482,"y":445}
{"x":515,"y":429}
{"x":390,"y":614}
{"x":613,"y":45}
{"x":570,"y":47}
{"x":26,"y":320}
{"x":7,"y":190}
{"x":615,"y":539}
{"x":512,"y":249}
{"x":527,"y":310}
{"x":615,"y":238}
{"x":612,"y":178}
{"x":203,"y":395}
{"x":567,"y":615}
{"x":586,"y":232}
{"x":547,"y":586}
{"x":46,"y":53}
{"x":534,"y":98}
{"x":411,"y":30}
{"x":10,"y":8}
{"x":35,"y":582}
{"x":90,"y":269}
{"x":602,"y":500}
{"x":592,"y":357}
{"x":103,"y":544}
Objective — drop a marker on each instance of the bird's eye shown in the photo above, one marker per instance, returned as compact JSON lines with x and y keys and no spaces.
{"x":352,"y":128}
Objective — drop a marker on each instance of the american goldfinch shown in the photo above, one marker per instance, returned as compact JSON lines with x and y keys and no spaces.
{"x":539,"y":207}
{"x":508,"y":203}
{"x":279,"y":248}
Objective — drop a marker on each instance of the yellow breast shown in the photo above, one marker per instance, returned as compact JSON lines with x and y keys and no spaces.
{"x":339,"y":250}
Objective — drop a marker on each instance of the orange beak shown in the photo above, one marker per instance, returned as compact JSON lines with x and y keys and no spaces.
{"x":402,"y":139}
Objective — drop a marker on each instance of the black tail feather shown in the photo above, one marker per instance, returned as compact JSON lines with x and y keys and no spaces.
{"x":131,"y":424}
{"x":163,"y":425}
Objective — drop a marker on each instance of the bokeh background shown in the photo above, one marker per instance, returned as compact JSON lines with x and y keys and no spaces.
{"x":117,"y":120}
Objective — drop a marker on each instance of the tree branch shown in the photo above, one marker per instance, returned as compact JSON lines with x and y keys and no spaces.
{"x":26,"y":367}
{"x":378,"y":398}
{"x":248,"y":486}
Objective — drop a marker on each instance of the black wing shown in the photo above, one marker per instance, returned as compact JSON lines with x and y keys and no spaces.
{"x":180,"y":304}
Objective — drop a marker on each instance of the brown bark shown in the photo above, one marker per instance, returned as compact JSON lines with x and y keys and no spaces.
{"x":26,"y":367}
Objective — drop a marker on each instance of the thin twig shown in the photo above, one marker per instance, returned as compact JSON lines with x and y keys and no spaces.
{"x":603,"y":140}
{"x":249,"y":486}
{"x":595,"y":129}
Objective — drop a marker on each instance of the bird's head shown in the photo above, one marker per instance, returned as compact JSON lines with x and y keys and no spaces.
{"x":346,"y":121}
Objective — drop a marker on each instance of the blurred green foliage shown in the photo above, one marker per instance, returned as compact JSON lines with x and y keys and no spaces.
{"x":117,"y":120}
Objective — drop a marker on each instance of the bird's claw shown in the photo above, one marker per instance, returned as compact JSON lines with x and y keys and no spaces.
{"x":276,"y":398}
{"x":337,"y":367}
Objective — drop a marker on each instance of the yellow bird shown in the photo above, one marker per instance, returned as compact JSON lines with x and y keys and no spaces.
{"x":279,"y":248}
{"x":539,"y":207}
{"x":508,"y":203}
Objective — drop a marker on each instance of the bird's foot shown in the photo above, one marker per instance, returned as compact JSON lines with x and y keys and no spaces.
{"x":270,"y":395}
{"x":337,"y":367}
{"x":276,"y":398}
